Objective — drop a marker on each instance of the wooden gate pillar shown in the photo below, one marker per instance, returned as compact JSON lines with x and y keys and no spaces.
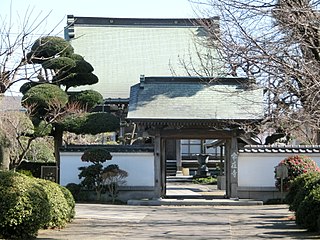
{"x":178,"y":158}
{"x":232,"y":167}
{"x":159,"y":166}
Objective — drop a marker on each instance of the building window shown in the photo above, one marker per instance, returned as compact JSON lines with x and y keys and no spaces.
{"x":191,"y":147}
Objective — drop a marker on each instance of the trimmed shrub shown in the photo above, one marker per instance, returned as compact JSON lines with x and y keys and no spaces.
{"x":76,"y":57}
{"x":92,"y":179}
{"x":24,"y":206}
{"x":26,"y":86}
{"x":60,"y":209}
{"x":300,"y":188}
{"x":25,"y":172}
{"x":74,"y":189}
{"x":308,"y":212}
{"x":45,"y":96}
{"x":82,"y":66}
{"x":205,"y":180}
{"x":87,"y":99}
{"x":28,"y":204}
{"x":59,"y":63}
{"x":113,"y":177}
{"x":93,"y":174}
{"x":70,"y":201}
{"x":50,"y":46}
{"x":90,"y":123}
{"x":96,"y":155}
{"x":296,"y":165}
{"x":77,"y":79}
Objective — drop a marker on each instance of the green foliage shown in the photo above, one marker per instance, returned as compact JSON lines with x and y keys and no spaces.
{"x":92,"y":175}
{"x":41,"y":128}
{"x":59,"y":63}
{"x":61,"y":211}
{"x":113,"y":177}
{"x":92,"y":178}
{"x":304,"y":198}
{"x":308,"y":212}
{"x":25,"y":172}
{"x":24,"y":206}
{"x":74,"y":189}
{"x":296,"y":165}
{"x":90,"y":123}
{"x":28,"y":204}
{"x":112,"y":169}
{"x":207,"y":180}
{"x":300,"y":188}
{"x":70,"y":202}
{"x":76,"y":57}
{"x":82,"y":66}
{"x":48,"y":102}
{"x":26,"y":86}
{"x":48,"y":47}
{"x":96,"y":155}
{"x":100,"y":179}
{"x":77,"y":79}
{"x":78,"y":74}
{"x":44,"y":97}
{"x":87,"y":99}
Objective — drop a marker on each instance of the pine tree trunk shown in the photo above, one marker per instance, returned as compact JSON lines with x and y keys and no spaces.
{"x":58,"y":133}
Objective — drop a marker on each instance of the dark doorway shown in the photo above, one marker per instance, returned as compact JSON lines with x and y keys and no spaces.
{"x":194,"y":168}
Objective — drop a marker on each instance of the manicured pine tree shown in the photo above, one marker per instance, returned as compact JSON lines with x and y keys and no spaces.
{"x":49,"y":100}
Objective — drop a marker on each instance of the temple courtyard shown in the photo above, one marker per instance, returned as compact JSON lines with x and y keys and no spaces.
{"x":102,"y":221}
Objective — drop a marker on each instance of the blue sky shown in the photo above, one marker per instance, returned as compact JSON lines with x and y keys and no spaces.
{"x":95,"y":8}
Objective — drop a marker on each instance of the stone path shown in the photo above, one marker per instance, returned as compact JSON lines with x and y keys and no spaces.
{"x":190,"y":189}
{"x":98,"y":221}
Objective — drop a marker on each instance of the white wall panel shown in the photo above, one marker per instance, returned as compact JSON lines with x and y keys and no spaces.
{"x":257,"y":169}
{"x":140,"y":167}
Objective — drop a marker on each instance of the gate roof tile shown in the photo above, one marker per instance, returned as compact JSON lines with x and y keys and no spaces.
{"x":194,"y":98}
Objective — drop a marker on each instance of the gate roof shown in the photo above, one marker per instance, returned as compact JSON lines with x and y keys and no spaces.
{"x":194,"y":99}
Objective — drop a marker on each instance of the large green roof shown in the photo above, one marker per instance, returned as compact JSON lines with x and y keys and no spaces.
{"x":176,"y":98}
{"x":122,"y":49}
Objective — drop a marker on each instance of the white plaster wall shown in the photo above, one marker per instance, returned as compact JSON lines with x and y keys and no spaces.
{"x":257,"y":169}
{"x":140,"y":167}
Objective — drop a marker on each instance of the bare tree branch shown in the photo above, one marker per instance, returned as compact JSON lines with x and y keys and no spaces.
{"x":275,"y":42}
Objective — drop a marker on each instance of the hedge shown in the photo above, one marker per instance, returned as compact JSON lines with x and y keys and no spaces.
{"x":308,"y":212}
{"x":60,"y":209}
{"x":70,"y":201}
{"x":28,"y":204}
{"x":24,"y":206}
{"x":304,"y":198}
{"x":300,"y":188}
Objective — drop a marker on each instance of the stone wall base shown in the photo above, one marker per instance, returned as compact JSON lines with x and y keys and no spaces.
{"x":125,"y":193}
{"x":260,"y":193}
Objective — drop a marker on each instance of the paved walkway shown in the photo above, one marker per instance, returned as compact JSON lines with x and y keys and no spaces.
{"x":182,"y":193}
{"x":98,"y":221}
{"x":191,"y":189}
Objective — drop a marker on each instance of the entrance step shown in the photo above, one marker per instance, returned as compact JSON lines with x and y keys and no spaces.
{"x":195,"y":202}
{"x":200,"y":196}
{"x":179,"y":178}
{"x":171,"y":167}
